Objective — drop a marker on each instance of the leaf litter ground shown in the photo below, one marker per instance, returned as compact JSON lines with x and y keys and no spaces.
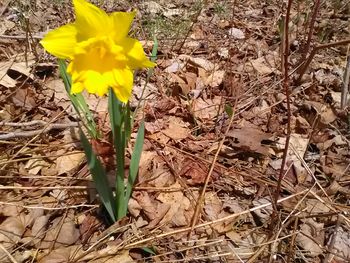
{"x":215,"y":59}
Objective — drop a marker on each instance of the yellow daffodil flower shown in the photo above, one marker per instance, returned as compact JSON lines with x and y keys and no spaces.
{"x":100,"y":52}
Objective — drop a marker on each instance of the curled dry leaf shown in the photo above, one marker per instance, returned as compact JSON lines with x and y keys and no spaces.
{"x":195,"y":172}
{"x":18,"y":68}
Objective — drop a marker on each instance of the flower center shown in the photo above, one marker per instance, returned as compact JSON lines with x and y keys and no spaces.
{"x":99,"y":54}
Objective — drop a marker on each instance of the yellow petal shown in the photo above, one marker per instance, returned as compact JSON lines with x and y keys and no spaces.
{"x":123,"y":83}
{"x":95,"y":83}
{"x":135,"y":54}
{"x":121,"y":22}
{"x":91,"y":21}
{"x":60,"y":42}
{"x":77,"y":87}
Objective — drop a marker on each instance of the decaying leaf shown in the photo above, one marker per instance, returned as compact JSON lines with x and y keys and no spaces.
{"x":341,"y":245}
{"x":314,"y":230}
{"x":177,"y":129}
{"x":215,"y":79}
{"x":251,"y":139}
{"x":178,"y":205}
{"x":207,"y":109}
{"x":68,"y":162}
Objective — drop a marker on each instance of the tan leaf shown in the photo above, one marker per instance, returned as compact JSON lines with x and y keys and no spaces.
{"x":178,"y":204}
{"x":206,"y":109}
{"x":314,"y":230}
{"x":67,"y":234}
{"x":11,"y":231}
{"x":199,"y":62}
{"x":215,"y":79}
{"x":67,"y":162}
{"x":177,"y":129}
{"x":250,"y":139}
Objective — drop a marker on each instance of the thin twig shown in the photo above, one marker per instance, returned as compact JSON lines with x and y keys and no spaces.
{"x":316,"y":8}
{"x":30,"y":141}
{"x":200,"y":201}
{"x":25,"y":134}
{"x":345,"y":87}
{"x":307,"y":62}
{"x":286,"y":89}
{"x":292,"y":246}
{"x":12,"y":259}
{"x":48,"y":208}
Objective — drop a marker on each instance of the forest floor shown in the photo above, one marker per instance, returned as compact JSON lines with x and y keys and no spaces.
{"x":216,"y":120}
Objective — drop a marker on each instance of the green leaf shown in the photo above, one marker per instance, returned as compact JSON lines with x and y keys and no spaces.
{"x":149,"y":250}
{"x":135,"y":160}
{"x":228,"y":110}
{"x":99,"y":177}
{"x":116,"y":114}
{"x":127,"y":123}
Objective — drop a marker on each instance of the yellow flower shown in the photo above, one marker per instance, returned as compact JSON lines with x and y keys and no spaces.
{"x":100,"y":52}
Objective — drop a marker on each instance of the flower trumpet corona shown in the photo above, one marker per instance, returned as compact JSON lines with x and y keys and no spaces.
{"x":100,"y":52}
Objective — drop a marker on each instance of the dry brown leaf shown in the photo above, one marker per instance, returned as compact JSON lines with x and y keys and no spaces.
{"x":177,"y":129}
{"x":215,"y":79}
{"x":315,"y":230}
{"x":199,"y":62}
{"x":11,"y":231}
{"x":35,"y":165}
{"x":251,"y":139}
{"x":24,"y":98}
{"x":68,"y":162}
{"x":62,"y":234}
{"x":341,"y":245}
{"x":206,"y":109}
{"x":178,"y":204}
